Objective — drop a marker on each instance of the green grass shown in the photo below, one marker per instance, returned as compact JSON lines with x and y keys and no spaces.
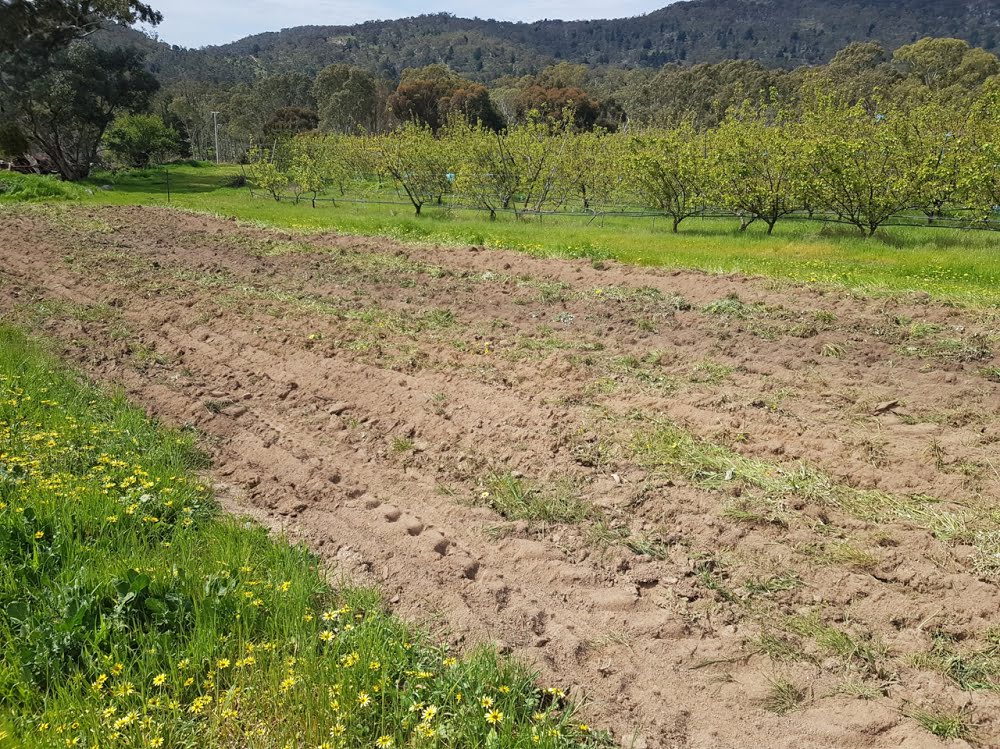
{"x":134,"y":614}
{"x":943,"y":723}
{"x":950,"y":264}
{"x":23,"y":188}
{"x":516,"y":499}
{"x":783,"y":696}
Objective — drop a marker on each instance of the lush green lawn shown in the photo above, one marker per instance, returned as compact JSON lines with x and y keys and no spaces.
{"x":132,"y":614}
{"x":952,"y":264}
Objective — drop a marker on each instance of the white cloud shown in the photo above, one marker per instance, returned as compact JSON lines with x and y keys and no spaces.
{"x":194,"y":24}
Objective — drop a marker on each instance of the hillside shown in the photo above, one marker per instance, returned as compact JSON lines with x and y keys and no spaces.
{"x":779,"y":33}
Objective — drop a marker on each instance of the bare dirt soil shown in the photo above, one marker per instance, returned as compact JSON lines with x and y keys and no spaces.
{"x":725,"y":512}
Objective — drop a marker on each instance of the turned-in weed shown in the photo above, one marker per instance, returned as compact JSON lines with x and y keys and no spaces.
{"x":944,"y":724}
{"x":516,"y":499}
{"x":783,"y":696}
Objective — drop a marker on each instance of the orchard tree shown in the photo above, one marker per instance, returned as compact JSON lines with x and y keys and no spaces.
{"x":942,"y":141}
{"x":418,"y":163}
{"x":487,"y":172}
{"x":594,"y":167}
{"x":757,"y":166}
{"x":669,"y":171}
{"x":859,"y":162}
{"x":138,"y":140}
{"x":537,"y":150}
{"x":264,"y":172}
{"x":979,"y":181}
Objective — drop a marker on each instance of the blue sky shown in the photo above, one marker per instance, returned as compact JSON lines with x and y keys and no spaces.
{"x":195,"y":23}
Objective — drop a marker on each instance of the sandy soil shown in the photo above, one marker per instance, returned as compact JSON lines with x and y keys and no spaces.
{"x":360,"y":394}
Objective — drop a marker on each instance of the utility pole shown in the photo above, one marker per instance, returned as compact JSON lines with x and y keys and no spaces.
{"x":215,"y":118}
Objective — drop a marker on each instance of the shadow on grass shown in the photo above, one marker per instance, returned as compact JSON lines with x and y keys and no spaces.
{"x":183,"y":179}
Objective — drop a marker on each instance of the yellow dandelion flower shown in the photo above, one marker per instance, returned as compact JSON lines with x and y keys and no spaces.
{"x":326,"y":635}
{"x":159,"y":680}
{"x":364,"y":699}
{"x":384,"y":742}
{"x":493,"y":717}
{"x":486,"y":702}
{"x":222,"y":664}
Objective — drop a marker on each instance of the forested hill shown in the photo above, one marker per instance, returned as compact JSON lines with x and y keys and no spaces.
{"x":779,"y":33}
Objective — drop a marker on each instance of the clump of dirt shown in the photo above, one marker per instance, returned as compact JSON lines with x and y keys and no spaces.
{"x":727,"y":513}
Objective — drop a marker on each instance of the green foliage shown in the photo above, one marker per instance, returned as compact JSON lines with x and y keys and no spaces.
{"x":138,"y":140}
{"x":758,"y":169}
{"x":859,"y":162}
{"x":417,"y":162}
{"x":670,"y":171}
{"x":346,"y":99}
{"x":131,"y":608}
{"x":64,"y":105}
{"x":13,"y":143}
{"x":264,"y":172}
{"x":22,"y":188}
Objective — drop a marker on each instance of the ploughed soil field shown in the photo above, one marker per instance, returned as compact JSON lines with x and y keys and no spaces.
{"x":723,"y":512}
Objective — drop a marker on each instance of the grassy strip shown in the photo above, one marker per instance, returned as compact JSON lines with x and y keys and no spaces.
{"x":950,"y":264}
{"x":133,"y":614}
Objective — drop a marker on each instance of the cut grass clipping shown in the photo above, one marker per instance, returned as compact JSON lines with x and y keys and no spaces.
{"x":133,"y":614}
